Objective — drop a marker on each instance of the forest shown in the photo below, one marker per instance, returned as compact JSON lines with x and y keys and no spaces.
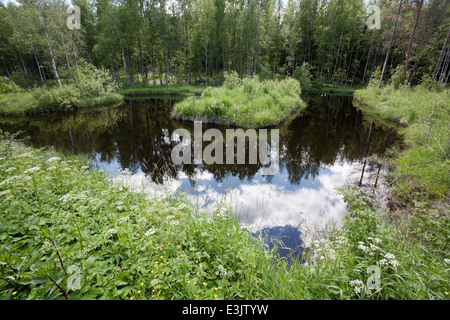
{"x":197,"y":41}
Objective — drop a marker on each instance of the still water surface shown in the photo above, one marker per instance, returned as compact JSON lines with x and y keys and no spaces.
{"x":320,"y":150}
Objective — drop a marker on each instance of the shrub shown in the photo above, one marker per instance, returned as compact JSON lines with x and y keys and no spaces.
{"x":8,"y":86}
{"x":93,"y":82}
{"x":56,"y":99}
{"x":397,"y":76}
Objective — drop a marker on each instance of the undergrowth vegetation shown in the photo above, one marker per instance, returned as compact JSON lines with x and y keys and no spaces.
{"x":246,"y":102}
{"x":91,"y":86}
{"x":67,"y":232}
{"x":422,"y":169}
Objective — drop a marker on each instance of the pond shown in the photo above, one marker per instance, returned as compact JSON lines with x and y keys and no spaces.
{"x":320,"y":149}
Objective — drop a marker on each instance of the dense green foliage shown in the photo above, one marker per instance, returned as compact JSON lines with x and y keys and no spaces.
{"x":424,"y":166}
{"x":7,"y":86}
{"x":197,"y":41}
{"x":244,"y":102}
{"x":61,"y":222}
{"x":91,"y":87}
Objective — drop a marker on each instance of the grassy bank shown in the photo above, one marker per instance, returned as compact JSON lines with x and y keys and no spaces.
{"x":61,"y":221}
{"x":422,"y":169}
{"x":243,"y":102}
{"x":27,"y":103}
{"x":89,"y":87}
{"x":175,"y":90}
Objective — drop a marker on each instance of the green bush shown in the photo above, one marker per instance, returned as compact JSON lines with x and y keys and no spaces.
{"x":303,"y":75}
{"x":56,"y":99}
{"x":93,"y":82}
{"x":397,"y":76}
{"x":8,"y":86}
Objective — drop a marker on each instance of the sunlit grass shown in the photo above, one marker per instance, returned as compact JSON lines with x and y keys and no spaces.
{"x":423,"y":168}
{"x":244,"y":102}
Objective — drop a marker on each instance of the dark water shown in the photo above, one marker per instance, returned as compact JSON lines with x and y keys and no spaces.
{"x":320,"y":150}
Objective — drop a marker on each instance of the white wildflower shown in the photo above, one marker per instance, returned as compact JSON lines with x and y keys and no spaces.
{"x":154,"y":282}
{"x":5,"y":192}
{"x":10,"y":169}
{"x":34,"y":169}
{"x":307,"y":243}
{"x":53,"y":159}
{"x":23,"y":155}
{"x":394,"y":263}
{"x":355,"y":283}
{"x":110,"y":232}
{"x":447,"y":261}
{"x":389,"y":256}
{"x":51,"y":168}
{"x":383,"y":262}
{"x":363,"y":247}
{"x":174,"y":223}
{"x":150,"y":232}
{"x":84,"y":167}
{"x":123,"y":220}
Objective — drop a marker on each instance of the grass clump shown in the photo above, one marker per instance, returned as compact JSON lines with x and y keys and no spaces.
{"x":244,"y":102}
{"x":422,"y":168}
{"x":8,"y":86}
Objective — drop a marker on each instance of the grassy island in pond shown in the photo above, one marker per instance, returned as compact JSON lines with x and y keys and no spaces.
{"x":244,"y":102}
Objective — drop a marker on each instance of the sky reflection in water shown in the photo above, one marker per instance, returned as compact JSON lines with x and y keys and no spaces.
{"x":320,"y":150}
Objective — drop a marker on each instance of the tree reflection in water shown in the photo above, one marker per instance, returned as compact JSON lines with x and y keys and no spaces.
{"x":319,"y":150}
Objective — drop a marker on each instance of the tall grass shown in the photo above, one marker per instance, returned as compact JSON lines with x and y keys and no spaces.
{"x":244,"y":102}
{"x":422,"y":169}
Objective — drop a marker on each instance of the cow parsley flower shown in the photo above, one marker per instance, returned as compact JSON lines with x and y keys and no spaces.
{"x":53,"y":159}
{"x":355,"y":283}
{"x":34,"y":169}
{"x":150,"y":232}
{"x":110,"y":232}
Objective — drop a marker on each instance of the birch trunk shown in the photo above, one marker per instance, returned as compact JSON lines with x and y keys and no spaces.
{"x":411,"y":42}
{"x":390,"y":44}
